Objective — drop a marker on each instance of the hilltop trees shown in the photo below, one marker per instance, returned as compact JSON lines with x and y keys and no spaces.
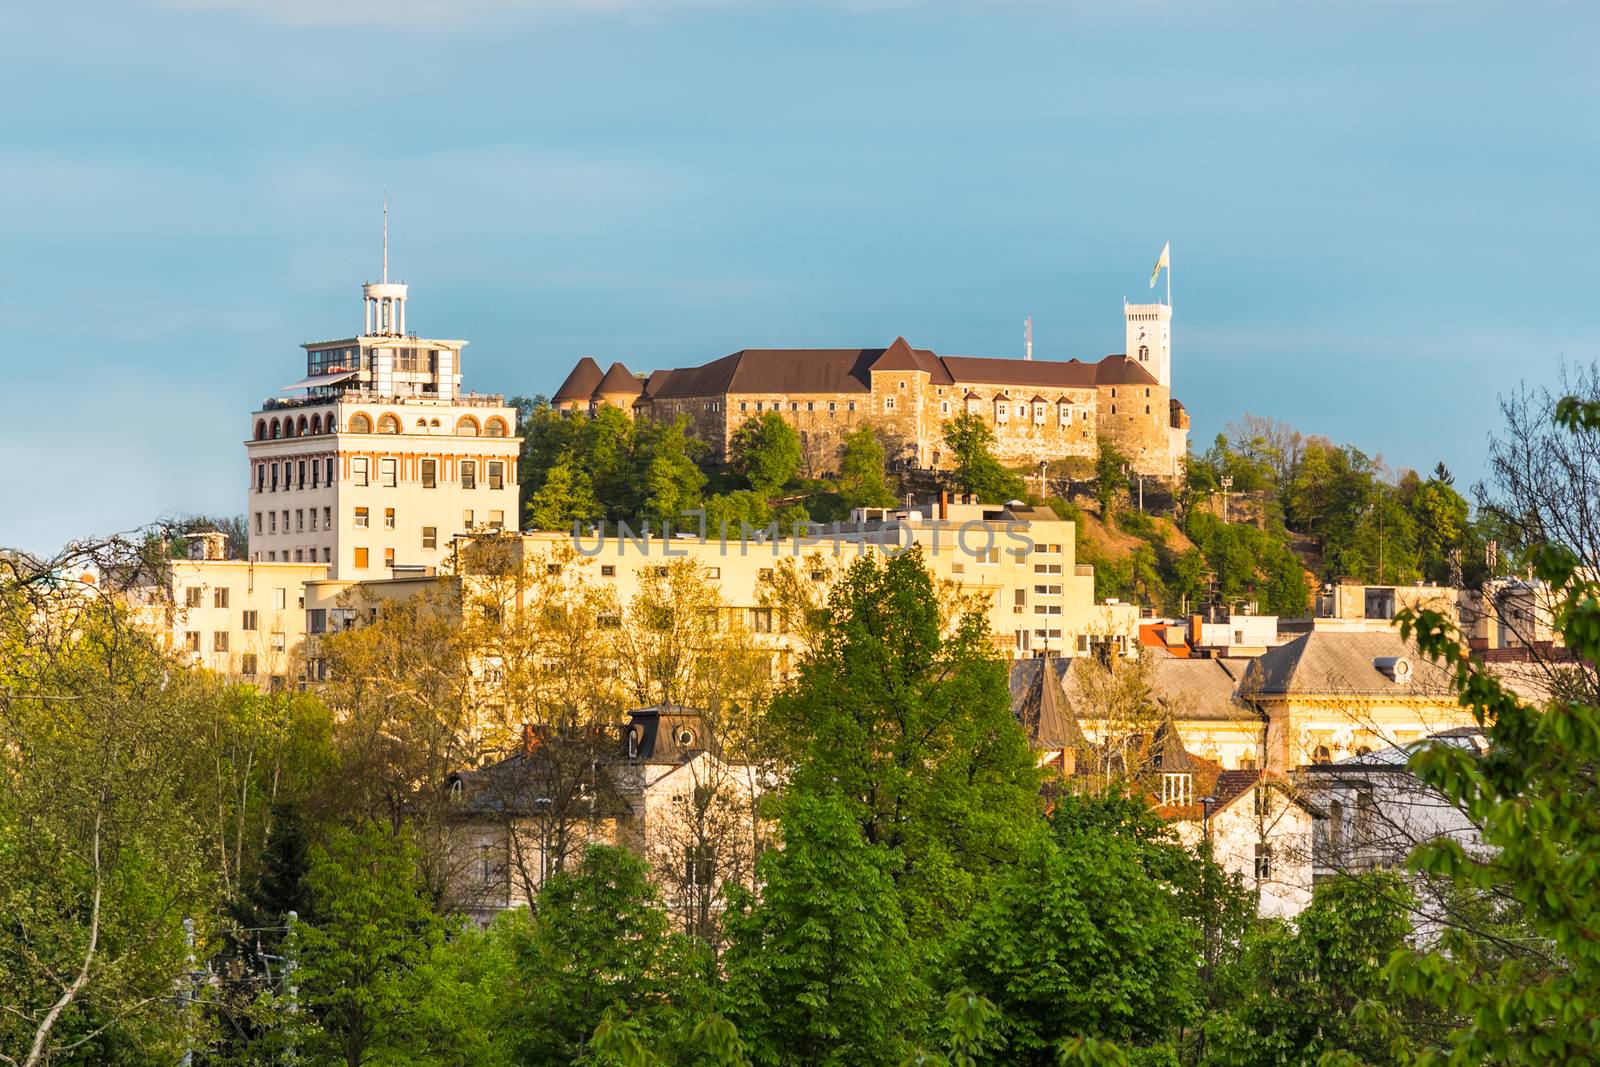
{"x":971,"y":442}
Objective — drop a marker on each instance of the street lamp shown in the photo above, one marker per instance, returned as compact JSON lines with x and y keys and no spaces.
{"x":1227,"y":484}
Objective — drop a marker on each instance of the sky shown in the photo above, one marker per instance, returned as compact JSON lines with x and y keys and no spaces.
{"x":1382,"y":214}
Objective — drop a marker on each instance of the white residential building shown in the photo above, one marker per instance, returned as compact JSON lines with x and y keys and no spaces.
{"x":380,"y":458}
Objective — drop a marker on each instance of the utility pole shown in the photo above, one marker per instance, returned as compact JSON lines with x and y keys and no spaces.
{"x":291,"y":991}
{"x":1227,"y":484}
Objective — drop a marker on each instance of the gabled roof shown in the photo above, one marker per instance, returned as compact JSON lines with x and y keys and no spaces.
{"x":778,"y":370}
{"x":657,"y":380}
{"x":1345,"y":663}
{"x":901,"y":356}
{"x":619,"y":381}
{"x":581,"y":382}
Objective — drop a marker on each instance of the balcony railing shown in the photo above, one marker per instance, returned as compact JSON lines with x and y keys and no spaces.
{"x":368,"y":396}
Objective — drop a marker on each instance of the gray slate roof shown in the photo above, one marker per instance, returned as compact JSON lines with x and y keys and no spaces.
{"x":1325,"y":661}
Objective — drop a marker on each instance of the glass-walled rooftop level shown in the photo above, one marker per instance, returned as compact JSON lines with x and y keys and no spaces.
{"x":406,"y":359}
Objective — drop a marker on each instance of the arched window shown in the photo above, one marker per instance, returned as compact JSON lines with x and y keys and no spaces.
{"x":1321,"y":755}
{"x":466,"y":426}
{"x":277,"y":431}
{"x":300,"y":430}
{"x":316,"y":423}
{"x":360,"y":423}
{"x":261,"y":429}
{"x":388,"y":424}
{"x":329,"y":423}
{"x":1144,"y":353}
{"x":1147,"y":409}
{"x":495,"y":427}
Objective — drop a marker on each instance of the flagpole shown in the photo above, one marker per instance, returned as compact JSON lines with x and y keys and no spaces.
{"x":1169,"y":278}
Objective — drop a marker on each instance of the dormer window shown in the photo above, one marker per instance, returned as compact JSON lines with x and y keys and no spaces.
{"x":633,"y":743}
{"x":1177,"y":790}
{"x":685,"y":737}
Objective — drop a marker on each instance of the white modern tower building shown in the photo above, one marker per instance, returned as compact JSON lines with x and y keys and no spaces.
{"x":378,"y":458}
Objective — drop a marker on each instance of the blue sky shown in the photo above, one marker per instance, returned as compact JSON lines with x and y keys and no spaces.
{"x":1381,"y":214}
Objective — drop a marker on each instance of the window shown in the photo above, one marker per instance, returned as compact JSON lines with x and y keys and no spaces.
{"x":1047,"y":568}
{"x":261,"y":477}
{"x":361,"y":518}
{"x":466,"y":520}
{"x":469,"y":474}
{"x":219,"y":598}
{"x":744,"y":405}
{"x":851,"y":406}
{"x":1020,"y":598}
{"x":327,"y":518}
{"x":327,"y":554}
{"x":430,"y":537}
{"x":1144,"y":353}
{"x":360,"y":424}
{"x":286,"y":523}
{"x":300,"y":519}
{"x":316,"y":471}
{"x":832,"y":406}
{"x":497,"y":474}
{"x":299,"y":554}
{"x":1047,"y":609}
{"x":1113,"y":409}
{"x":1066,"y":415}
{"x":192,"y":595}
{"x":888,"y":403}
{"x":794,"y":405}
{"x":990,"y":557}
{"x":388,"y":424}
{"x":761,"y":620}
{"x":1263,"y":861}
{"x":247,"y":664}
{"x":191,"y":640}
{"x":699,"y":869}
{"x":713,"y":573}
{"x":301,"y":468}
{"x":944,"y":407}
{"x":274,"y":477}
{"x":497,"y":519}
{"x":327,"y":470}
{"x":317,"y":621}
{"x":258,"y":522}
{"x":280,"y":597}
{"x":361,"y":559}
{"x":388,"y":557}
{"x":386,"y":472}
{"x":388,"y":518}
{"x":1321,"y":755}
{"x":248,"y":621}
{"x":1047,"y":590}
{"x":358,"y":470}
{"x":1177,"y":790}
{"x":430,"y":473}
{"x":1038,"y":414}
{"x":608,"y":570}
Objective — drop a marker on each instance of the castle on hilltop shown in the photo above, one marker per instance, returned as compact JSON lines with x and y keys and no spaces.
{"x":1040,"y":410}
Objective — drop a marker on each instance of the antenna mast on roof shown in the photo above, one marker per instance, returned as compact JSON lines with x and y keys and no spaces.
{"x":386,"y":237}
{"x":1027,"y":338}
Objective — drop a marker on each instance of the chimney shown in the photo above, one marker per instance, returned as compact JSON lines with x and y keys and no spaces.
{"x":1194,"y":631}
{"x":944,"y":503}
{"x":529,"y":740}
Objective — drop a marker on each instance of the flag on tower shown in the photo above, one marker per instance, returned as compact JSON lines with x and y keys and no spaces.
{"x":1164,"y":263}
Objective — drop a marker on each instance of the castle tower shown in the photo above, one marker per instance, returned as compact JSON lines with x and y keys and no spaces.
{"x":1149,"y":339}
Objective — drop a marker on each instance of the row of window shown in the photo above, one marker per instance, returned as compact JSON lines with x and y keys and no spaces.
{"x":267,"y":521}
{"x":194,"y":595}
{"x":220,"y":642}
{"x":314,"y":474}
{"x":307,"y":555}
{"x":361,"y":422}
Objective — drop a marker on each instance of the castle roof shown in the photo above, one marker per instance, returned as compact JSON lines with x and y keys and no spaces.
{"x":619,"y":381}
{"x":581,"y":382}
{"x":788,"y":371}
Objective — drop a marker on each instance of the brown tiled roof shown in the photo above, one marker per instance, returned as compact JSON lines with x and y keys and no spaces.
{"x":901,"y":356}
{"x":581,"y":382}
{"x":657,"y":380}
{"x":619,"y":381}
{"x":1120,"y":370}
{"x":1231,"y":784}
{"x":778,"y":370}
{"x":1045,"y":373}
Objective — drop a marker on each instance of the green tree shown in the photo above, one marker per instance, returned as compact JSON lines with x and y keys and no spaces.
{"x":1076,"y":939}
{"x":822,"y":970}
{"x":1110,"y":476}
{"x":766,"y":450}
{"x":977,"y":472}
{"x":598,"y":943}
{"x":907,"y":715}
{"x":861,"y":477}
{"x":1300,"y":987}
{"x":566,"y":497}
{"x":1529,"y":1000}
{"x":363,"y":952}
{"x":668,"y":481}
